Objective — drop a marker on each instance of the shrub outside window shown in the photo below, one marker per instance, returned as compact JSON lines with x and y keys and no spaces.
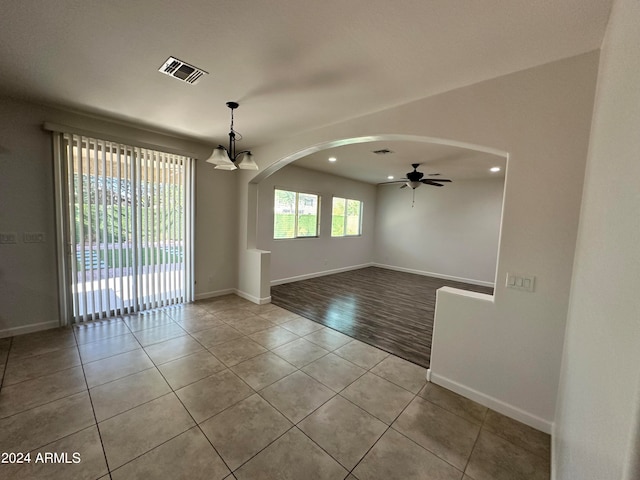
{"x":346,"y":217}
{"x":295,"y":214}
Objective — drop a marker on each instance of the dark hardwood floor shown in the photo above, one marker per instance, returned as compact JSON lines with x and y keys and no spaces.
{"x":387,"y":309}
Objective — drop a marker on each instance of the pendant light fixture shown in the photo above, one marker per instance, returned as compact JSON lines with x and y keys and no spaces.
{"x":227,"y":158}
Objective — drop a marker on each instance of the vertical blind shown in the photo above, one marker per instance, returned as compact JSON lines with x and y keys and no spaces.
{"x":125,"y":221}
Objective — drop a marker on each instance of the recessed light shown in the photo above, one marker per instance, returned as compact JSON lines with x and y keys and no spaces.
{"x":495,"y":169}
{"x":332,"y":159}
{"x":390,"y":177}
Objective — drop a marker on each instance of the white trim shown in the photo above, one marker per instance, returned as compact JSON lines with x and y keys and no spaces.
{"x":216,"y":293}
{"x":251,"y":298}
{"x":34,"y":327}
{"x":436,"y":275}
{"x":493,"y":403}
{"x":306,"y":276}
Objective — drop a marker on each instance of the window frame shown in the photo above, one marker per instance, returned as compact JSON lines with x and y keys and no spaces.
{"x":296,"y":213}
{"x":345,"y":234}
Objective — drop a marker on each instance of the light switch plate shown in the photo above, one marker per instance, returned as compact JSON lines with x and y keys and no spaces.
{"x":524,"y":282}
{"x":8,"y":238}
{"x":33,"y":237}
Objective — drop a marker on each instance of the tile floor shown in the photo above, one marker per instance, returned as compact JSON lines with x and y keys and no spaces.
{"x":228,"y":389}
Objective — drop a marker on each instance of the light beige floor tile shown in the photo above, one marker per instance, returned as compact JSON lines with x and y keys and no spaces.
{"x":190,"y":369}
{"x":233,"y":314}
{"x":236,"y":351}
{"x":213,"y":394}
{"x":100,"y":330}
{"x":258,"y":309}
{"x":90,"y":352}
{"x":189,"y":455}
{"x":84,"y":448}
{"x":118,"y":366}
{"x":300,"y":352}
{"x":120,"y":395}
{"x":142,"y":321}
{"x":26,"y":368}
{"x":395,"y":457}
{"x":243,"y":430}
{"x":461,"y":406}
{"x":361,"y":354}
{"x":518,"y":433}
{"x":379,"y":397}
{"x":301,"y":326}
{"x":263,"y":370}
{"x":185,"y":312}
{"x":273,"y":337}
{"x":279,"y":315}
{"x":328,"y":339}
{"x":297,"y":395}
{"x":292,"y":456}
{"x":448,"y":436}
{"x":172,"y":349}
{"x":408,"y":375}
{"x":495,"y":458}
{"x":334,"y":372}
{"x":202,"y":322}
{"x":217,"y":335}
{"x":343,"y":430}
{"x":32,"y":393}
{"x":159,"y":334}
{"x":134,"y":432}
{"x":42,"y":342}
{"x":251,"y":324}
{"x":42,"y":425}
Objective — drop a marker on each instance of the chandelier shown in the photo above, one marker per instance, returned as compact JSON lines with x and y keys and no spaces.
{"x":227,"y":158}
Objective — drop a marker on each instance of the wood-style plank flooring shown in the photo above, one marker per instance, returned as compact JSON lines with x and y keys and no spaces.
{"x":387,"y":309}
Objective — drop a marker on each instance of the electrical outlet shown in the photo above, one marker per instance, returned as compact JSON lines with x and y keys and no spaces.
{"x":8,"y":238}
{"x":33,"y":237}
{"x":521,"y":282}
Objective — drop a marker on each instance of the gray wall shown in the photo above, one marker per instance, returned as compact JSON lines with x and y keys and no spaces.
{"x":451,"y":231}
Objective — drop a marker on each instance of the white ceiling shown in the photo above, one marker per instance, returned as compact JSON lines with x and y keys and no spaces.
{"x":292,"y":65}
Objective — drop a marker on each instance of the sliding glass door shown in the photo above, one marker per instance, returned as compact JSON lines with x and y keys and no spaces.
{"x":125,"y":227}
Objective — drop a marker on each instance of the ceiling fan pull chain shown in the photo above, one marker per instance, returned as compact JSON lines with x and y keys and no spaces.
{"x":414,"y":198}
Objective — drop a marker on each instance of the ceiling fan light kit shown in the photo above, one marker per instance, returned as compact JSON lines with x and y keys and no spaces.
{"x":228,"y":158}
{"x":414,"y":180}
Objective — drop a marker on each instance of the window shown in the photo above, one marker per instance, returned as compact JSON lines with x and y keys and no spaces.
{"x":295,"y":215}
{"x":346,"y":217}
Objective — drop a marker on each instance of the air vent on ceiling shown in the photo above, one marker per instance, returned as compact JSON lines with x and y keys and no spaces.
{"x":182,"y":71}
{"x":382,"y":151}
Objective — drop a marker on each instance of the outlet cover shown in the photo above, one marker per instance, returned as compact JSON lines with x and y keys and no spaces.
{"x":8,"y":238}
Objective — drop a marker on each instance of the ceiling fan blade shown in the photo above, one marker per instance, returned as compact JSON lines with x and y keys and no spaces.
{"x":439,"y":180}
{"x":434,"y":184}
{"x":402,"y":180}
{"x":404,"y":186}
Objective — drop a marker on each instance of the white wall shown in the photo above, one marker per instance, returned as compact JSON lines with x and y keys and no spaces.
{"x":510,"y":350}
{"x":450,"y":232}
{"x":28,"y":288}
{"x":597,"y":423}
{"x":292,"y":258}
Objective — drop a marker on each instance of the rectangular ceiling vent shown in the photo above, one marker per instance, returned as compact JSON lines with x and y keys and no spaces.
{"x":182,"y":70}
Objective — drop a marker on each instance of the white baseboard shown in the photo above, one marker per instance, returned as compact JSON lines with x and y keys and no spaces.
{"x":319,"y":274}
{"x":216,"y":293}
{"x":436,"y":275}
{"x":493,"y":403}
{"x":251,"y":298}
{"x":34,"y":327}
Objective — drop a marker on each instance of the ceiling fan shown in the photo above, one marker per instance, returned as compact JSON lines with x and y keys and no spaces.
{"x":414,"y":179}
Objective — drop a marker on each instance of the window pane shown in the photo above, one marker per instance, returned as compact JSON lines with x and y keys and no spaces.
{"x":337,"y":217}
{"x":307,"y":215}
{"x":284,"y":214}
{"x":353,"y":217}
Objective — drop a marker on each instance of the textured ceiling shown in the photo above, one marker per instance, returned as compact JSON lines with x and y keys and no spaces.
{"x":292,"y":65}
